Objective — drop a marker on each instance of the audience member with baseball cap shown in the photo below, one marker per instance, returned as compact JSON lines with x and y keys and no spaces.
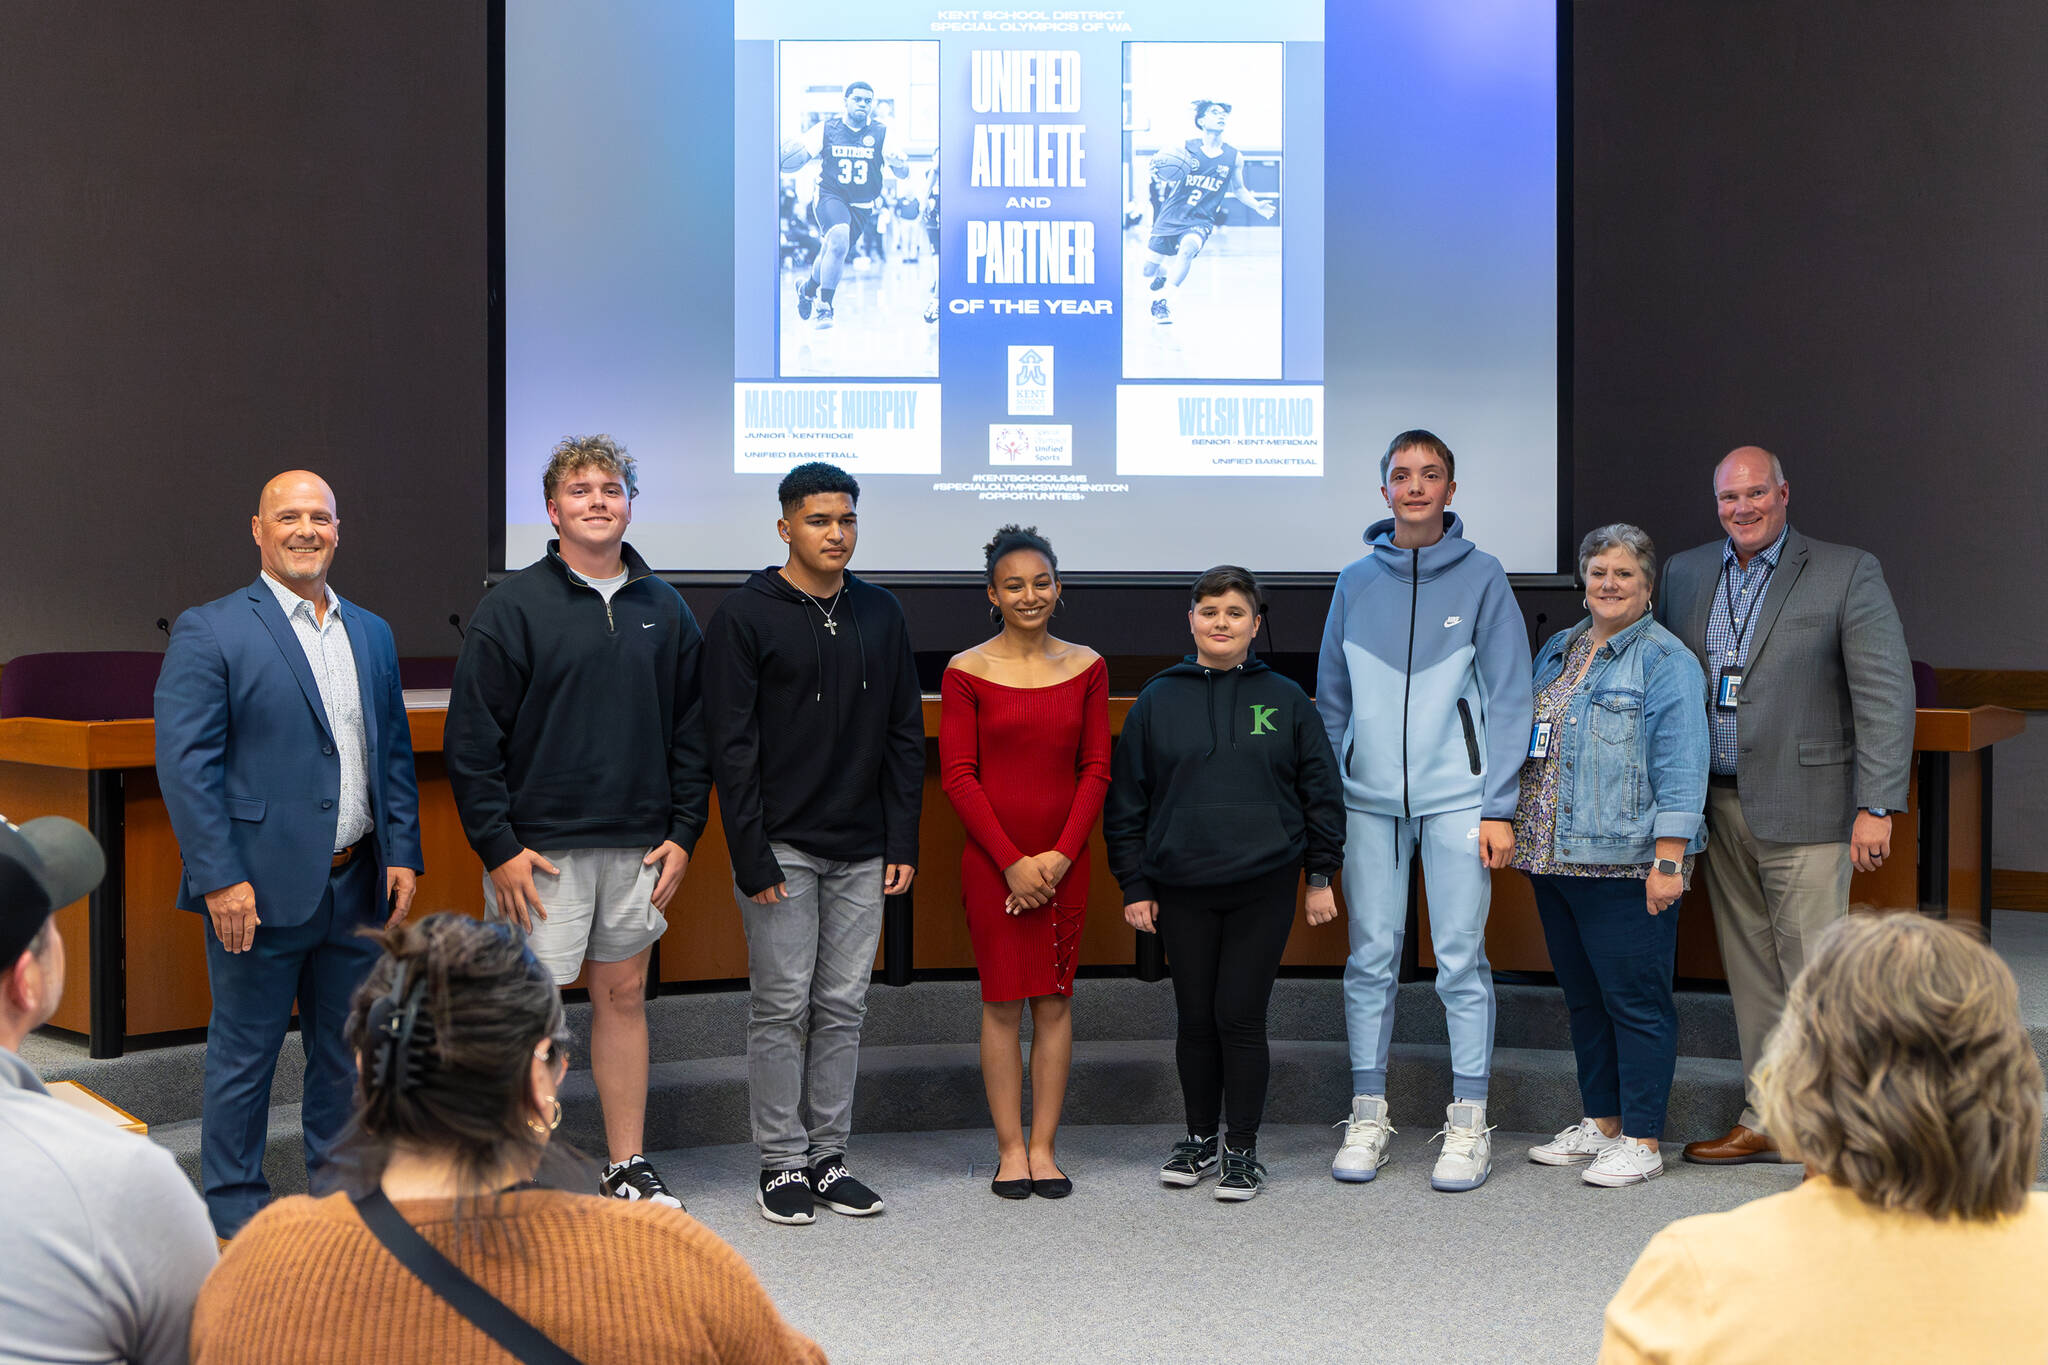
{"x":105,"y":1241}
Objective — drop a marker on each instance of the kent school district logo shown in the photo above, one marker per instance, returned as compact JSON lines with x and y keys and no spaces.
{"x":1030,"y":376}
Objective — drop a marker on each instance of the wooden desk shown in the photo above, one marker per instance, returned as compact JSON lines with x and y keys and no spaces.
{"x":137,"y":965}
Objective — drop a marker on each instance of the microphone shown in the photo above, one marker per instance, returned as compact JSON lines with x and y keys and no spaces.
{"x":164,"y":625}
{"x":455,"y":620}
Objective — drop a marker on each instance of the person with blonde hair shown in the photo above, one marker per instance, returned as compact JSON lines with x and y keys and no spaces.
{"x":1902,"y":1076}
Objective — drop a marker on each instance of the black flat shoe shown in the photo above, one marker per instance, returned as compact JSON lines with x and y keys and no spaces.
{"x":1012,"y":1189}
{"x":1059,"y":1187}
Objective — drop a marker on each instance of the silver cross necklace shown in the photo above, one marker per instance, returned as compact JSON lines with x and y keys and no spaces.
{"x":831,"y":626}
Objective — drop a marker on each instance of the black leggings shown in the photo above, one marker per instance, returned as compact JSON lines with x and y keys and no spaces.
{"x":1223,"y":946}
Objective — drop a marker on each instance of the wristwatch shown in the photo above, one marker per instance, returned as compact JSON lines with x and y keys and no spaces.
{"x":1318,"y":880}
{"x":1670,"y":867}
{"x":1881,"y":812}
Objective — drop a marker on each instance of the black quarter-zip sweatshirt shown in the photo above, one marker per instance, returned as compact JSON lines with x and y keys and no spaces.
{"x":1219,"y":776}
{"x":817,"y":729}
{"x":577,"y":723}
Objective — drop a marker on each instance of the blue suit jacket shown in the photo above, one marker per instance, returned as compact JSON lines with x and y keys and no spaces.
{"x":246,"y":758}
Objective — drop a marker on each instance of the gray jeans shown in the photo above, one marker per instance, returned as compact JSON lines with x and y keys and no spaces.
{"x":809,"y":959}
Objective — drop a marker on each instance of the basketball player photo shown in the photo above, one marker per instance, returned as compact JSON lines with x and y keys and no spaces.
{"x":858,"y":125}
{"x":1204,"y":133}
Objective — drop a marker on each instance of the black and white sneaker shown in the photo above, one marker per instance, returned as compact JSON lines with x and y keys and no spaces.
{"x":804,"y":296}
{"x":633,"y":1178}
{"x":840,"y":1192}
{"x":1193,"y":1157}
{"x":785,"y":1196}
{"x":1243,"y":1176}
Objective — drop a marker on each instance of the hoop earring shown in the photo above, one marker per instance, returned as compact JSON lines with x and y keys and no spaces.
{"x":1059,"y":606}
{"x":995,"y":617}
{"x":541,"y":1130}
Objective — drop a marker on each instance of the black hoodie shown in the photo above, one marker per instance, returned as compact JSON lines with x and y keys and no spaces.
{"x":1221,"y":776}
{"x":818,"y":731}
{"x":576,"y":723}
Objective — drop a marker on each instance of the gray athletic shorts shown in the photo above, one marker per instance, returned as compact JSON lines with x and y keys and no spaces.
{"x":600,"y":908}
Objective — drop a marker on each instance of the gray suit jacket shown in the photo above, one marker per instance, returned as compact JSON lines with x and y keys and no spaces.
{"x":1826,"y":718}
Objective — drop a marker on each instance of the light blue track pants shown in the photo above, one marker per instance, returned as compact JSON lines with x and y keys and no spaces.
{"x":1378,"y":850}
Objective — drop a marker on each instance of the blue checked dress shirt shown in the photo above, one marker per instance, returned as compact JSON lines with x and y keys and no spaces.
{"x":1724,"y":650}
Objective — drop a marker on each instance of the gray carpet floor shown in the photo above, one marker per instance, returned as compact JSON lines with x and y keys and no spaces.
{"x":1127,"y":1270}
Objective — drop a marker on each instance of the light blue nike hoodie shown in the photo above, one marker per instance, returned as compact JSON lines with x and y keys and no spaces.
{"x":1423,"y":683}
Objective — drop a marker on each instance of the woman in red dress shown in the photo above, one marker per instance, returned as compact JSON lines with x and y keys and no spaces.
{"x":1024,"y":758}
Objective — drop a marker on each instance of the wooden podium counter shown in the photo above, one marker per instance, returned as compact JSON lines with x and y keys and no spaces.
{"x":136,"y":965}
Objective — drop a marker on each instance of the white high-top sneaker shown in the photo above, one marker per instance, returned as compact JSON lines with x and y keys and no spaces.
{"x":1467,"y":1157}
{"x":1583,"y":1141}
{"x":1365,"y":1140}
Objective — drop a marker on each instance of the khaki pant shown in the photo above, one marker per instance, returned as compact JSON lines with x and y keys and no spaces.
{"x":1768,"y":900}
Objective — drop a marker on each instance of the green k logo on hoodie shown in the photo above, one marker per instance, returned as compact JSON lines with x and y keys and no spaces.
{"x":1262,"y":719}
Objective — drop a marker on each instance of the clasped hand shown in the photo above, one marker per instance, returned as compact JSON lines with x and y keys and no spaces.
{"x":1034,"y":880}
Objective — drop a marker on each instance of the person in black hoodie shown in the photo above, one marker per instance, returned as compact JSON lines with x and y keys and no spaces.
{"x":575,"y":748}
{"x":1222,"y":791}
{"x":811,"y":697}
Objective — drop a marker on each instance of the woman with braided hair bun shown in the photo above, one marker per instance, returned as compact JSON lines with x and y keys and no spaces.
{"x":461,"y":1051}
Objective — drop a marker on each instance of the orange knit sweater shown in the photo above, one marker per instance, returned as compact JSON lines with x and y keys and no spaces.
{"x":613,"y":1283}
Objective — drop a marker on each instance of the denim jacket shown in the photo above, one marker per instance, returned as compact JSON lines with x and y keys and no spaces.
{"x":1632,"y":750}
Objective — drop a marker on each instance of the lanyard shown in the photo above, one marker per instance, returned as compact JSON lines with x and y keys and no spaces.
{"x":1728,"y":599}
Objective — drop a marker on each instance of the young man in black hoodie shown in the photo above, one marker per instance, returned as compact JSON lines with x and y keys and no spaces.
{"x":811,"y":694}
{"x":575,"y":747}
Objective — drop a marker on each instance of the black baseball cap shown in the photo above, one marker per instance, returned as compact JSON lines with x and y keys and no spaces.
{"x":44,"y":866}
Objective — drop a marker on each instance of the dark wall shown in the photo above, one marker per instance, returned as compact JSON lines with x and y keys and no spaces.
{"x":253,"y":236}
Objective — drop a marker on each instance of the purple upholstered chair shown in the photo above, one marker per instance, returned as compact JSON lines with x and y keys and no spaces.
{"x":1926,"y":689}
{"x":113,"y":684}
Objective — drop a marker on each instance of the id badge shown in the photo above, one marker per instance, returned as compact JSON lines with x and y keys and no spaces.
{"x":1728,"y":691}
{"x":1539,"y":740}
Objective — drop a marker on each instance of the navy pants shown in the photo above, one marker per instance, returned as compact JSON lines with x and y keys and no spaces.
{"x":1615,"y":961}
{"x":319,"y":963}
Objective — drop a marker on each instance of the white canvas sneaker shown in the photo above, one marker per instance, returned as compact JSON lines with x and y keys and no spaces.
{"x":1581,"y":1142}
{"x":1365,"y":1141}
{"x":1627,"y":1162}
{"x":1467,"y":1157}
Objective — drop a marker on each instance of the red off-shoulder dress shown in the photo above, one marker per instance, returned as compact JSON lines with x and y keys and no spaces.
{"x":1026,"y":768}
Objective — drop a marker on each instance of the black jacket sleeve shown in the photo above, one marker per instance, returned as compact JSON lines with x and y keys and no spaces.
{"x":731,"y":674}
{"x":903,"y":755}
{"x":1127,"y":808}
{"x":483,"y":705}
{"x":689,"y":759}
{"x":1320,"y":789}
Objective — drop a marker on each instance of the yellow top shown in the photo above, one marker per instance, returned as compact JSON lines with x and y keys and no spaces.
{"x":1816,"y":1275}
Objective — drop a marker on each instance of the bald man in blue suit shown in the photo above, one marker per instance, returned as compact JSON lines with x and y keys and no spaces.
{"x":286,"y":765}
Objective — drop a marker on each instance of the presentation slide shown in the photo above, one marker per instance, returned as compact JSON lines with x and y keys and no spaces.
{"x":1161,"y":280}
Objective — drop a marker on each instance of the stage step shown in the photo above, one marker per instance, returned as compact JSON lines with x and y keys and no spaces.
{"x":164,"y":1085}
{"x":928,"y":1086}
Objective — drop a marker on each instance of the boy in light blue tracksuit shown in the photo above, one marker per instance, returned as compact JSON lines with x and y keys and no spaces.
{"x":1423,"y":685}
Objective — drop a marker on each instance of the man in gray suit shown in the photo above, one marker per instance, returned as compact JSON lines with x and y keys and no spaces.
{"x":1810,"y":707}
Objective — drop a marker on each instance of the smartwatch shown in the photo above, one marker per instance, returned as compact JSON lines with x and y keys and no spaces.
{"x":1318,"y":880}
{"x":1670,"y":867}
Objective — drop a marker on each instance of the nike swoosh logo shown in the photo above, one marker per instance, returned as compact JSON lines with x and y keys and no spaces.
{"x":1450,"y":621}
{"x":647,"y":625}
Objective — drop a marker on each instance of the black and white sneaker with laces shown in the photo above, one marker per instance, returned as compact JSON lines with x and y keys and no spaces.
{"x":1193,"y":1157}
{"x":840,"y":1192}
{"x":1243,"y":1176}
{"x":633,"y":1178}
{"x":785,"y":1196}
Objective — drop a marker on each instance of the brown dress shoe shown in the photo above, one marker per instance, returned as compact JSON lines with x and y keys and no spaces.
{"x":1737,"y":1147}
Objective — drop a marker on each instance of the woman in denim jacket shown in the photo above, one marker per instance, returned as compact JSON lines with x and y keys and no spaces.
{"x":1610,"y":815}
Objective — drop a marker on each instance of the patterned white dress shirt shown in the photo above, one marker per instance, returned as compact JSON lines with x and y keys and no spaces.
{"x":334,"y":673}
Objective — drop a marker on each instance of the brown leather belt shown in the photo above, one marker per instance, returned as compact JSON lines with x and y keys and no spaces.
{"x":341,"y":858}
